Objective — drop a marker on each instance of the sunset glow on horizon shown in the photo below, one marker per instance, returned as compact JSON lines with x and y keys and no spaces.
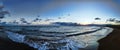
{"x":83,"y":12}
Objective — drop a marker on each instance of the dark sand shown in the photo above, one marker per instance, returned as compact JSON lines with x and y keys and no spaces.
{"x":112,"y":41}
{"x":10,"y":45}
{"x":7,"y":44}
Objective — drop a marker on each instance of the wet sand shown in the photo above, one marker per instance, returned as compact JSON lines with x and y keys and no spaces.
{"x":10,"y":45}
{"x":7,"y":44}
{"x":112,"y":41}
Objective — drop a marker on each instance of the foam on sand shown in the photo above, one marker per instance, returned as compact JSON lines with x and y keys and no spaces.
{"x":85,"y":41}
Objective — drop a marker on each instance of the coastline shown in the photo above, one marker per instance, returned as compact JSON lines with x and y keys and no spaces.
{"x":106,"y":43}
{"x":10,"y":45}
{"x":111,"y":41}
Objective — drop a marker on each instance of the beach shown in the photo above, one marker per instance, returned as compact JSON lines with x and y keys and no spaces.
{"x":10,"y":45}
{"x":111,"y":41}
{"x":7,"y":44}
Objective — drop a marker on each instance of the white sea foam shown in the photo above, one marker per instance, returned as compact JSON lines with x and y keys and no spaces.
{"x":74,"y":42}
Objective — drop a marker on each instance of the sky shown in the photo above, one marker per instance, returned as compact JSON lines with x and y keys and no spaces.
{"x":77,"y":11}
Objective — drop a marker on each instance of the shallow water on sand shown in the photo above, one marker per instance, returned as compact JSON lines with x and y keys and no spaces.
{"x":48,"y":37}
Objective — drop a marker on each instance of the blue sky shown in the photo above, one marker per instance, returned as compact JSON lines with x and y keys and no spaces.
{"x":80,"y":11}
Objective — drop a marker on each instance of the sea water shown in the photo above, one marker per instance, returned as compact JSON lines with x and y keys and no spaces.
{"x":54,"y":37}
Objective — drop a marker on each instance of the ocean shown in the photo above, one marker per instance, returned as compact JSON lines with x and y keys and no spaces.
{"x":58,"y":37}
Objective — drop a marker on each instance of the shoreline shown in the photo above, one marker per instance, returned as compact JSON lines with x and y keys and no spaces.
{"x":111,"y":41}
{"x":10,"y":45}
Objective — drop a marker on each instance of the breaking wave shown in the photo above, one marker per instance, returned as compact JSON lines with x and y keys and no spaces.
{"x":62,"y":38}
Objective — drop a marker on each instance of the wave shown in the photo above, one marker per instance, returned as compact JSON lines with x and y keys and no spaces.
{"x":59,"y":41}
